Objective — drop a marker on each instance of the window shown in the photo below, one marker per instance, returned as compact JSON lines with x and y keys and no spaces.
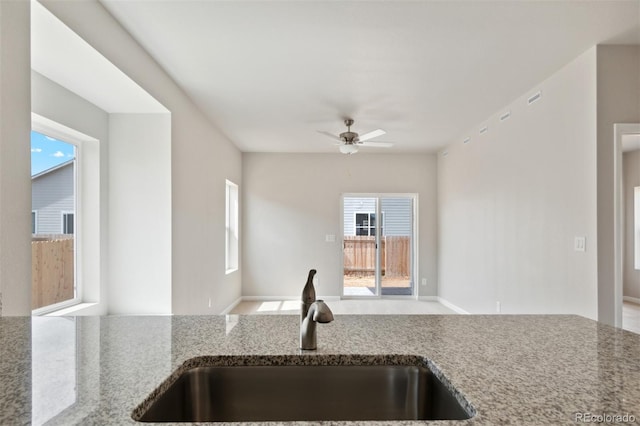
{"x":67,"y":223}
{"x":65,"y":178}
{"x":231,"y":257}
{"x":636,"y":226}
{"x":53,"y":207}
{"x":366,"y":224}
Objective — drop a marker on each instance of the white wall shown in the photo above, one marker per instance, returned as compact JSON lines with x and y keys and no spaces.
{"x":15,"y":173}
{"x":512,"y":200}
{"x":201,"y":159}
{"x":618,"y":102}
{"x":290,"y":202}
{"x":139,"y":214}
{"x":631,"y":275}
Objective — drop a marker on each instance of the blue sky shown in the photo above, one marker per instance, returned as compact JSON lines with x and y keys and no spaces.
{"x":48,"y":152}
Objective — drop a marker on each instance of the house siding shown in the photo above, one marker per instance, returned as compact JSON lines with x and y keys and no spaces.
{"x":51,"y":195}
{"x":396,"y":214}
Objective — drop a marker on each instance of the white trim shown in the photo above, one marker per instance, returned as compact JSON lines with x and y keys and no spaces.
{"x":71,"y":310}
{"x":453,"y":307}
{"x":631,"y":299}
{"x":619,"y":129}
{"x":57,"y":306}
{"x":231,"y":306}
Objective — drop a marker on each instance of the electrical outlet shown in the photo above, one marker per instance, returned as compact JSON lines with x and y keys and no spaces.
{"x":580,"y":244}
{"x":498,"y":307}
{"x":424,"y":281}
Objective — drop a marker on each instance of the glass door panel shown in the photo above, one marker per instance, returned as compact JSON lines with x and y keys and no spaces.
{"x":359,"y":246}
{"x":396,"y":246}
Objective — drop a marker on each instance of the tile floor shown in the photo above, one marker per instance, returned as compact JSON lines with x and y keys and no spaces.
{"x":630,"y":311}
{"x":345,"y":306}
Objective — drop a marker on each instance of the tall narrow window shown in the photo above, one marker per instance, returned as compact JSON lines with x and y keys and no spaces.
{"x":53,"y":205}
{"x":636,"y":225}
{"x":231,"y":258}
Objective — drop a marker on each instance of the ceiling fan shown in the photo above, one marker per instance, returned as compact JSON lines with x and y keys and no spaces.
{"x":349,"y":142}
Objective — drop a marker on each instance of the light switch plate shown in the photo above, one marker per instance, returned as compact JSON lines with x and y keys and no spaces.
{"x":330,"y":238}
{"x":580,"y":244}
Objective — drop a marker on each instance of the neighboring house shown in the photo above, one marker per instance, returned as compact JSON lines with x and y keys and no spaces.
{"x":53,"y":200}
{"x":359,"y":216}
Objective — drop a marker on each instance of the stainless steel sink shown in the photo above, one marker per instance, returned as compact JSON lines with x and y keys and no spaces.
{"x":364,"y":391}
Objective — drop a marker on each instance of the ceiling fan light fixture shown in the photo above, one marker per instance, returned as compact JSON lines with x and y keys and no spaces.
{"x":348,"y":148}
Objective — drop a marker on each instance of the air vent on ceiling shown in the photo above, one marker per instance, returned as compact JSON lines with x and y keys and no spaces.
{"x":505,"y":116}
{"x":485,"y":129}
{"x":466,"y":141}
{"x":534,"y":97}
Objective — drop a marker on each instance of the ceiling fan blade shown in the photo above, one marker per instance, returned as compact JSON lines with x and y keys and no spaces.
{"x":377,"y":144}
{"x":332,"y":136}
{"x":371,"y":135}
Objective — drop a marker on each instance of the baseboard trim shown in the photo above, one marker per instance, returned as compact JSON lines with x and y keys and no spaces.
{"x":453,"y":307}
{"x":231,"y":306}
{"x":428,"y":298}
{"x":266,"y":298}
{"x":631,"y":299}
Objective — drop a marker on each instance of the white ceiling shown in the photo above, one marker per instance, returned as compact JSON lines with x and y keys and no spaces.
{"x":64,"y":57}
{"x":271,"y":73}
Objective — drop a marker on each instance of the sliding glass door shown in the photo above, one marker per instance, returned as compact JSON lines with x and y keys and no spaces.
{"x":396,"y":247}
{"x":378,"y":241}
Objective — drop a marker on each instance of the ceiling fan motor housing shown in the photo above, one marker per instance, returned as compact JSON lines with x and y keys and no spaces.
{"x":349,"y":137}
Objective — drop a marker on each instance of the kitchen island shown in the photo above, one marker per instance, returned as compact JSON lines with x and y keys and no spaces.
{"x":512,"y":369}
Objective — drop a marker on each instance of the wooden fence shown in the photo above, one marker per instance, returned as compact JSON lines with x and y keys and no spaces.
{"x":52,"y":271}
{"x":360,"y":256}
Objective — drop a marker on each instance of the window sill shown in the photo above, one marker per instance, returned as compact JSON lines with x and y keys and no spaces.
{"x":70,"y":310}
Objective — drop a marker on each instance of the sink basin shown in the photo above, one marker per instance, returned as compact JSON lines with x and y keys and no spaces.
{"x":367,"y":388}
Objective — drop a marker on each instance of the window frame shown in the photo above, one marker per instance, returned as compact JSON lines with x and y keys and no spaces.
{"x":232,"y":227}
{"x":87,"y":194}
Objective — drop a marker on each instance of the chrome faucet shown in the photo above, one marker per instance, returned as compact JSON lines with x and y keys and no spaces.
{"x":312,"y":312}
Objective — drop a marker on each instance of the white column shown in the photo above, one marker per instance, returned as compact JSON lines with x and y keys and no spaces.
{"x":15,"y":158}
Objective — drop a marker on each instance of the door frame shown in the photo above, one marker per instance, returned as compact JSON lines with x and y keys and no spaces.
{"x":414,"y":242}
{"x":619,"y":130}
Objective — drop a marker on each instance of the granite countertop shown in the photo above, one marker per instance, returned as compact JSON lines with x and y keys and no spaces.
{"x":512,"y":369}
